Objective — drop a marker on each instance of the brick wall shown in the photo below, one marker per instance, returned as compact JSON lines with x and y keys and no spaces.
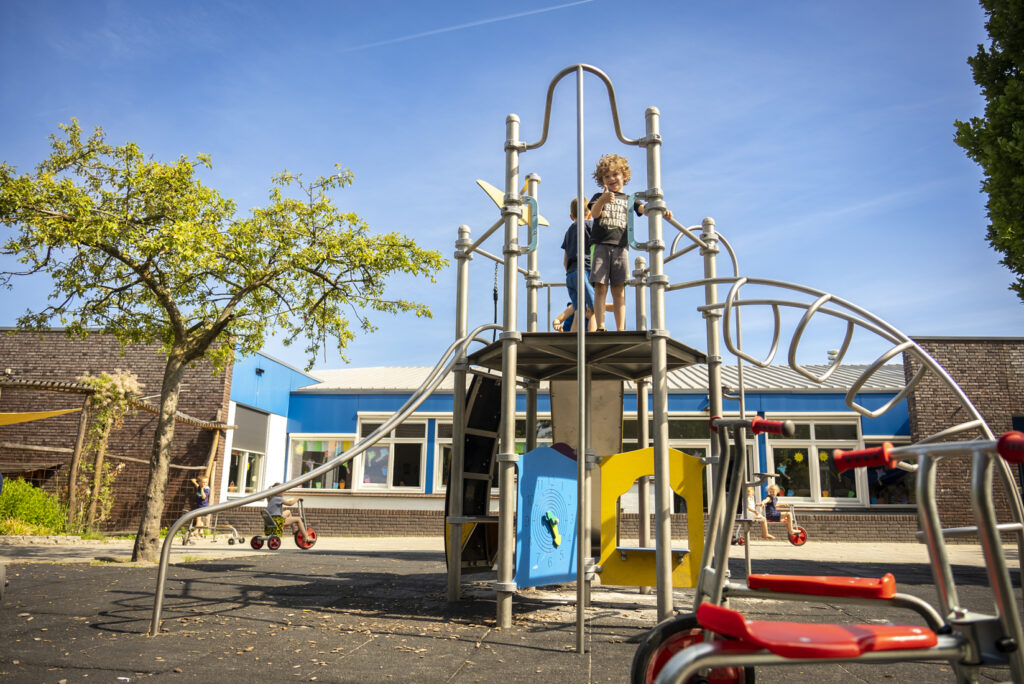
{"x":859,"y":527}
{"x":52,"y":356}
{"x":991,"y":374}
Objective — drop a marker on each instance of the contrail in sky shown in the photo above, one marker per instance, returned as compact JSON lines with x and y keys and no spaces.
{"x":471,"y":24}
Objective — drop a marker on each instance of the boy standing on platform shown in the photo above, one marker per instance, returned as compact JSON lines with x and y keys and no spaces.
{"x":570,"y":247}
{"x":610,"y":266}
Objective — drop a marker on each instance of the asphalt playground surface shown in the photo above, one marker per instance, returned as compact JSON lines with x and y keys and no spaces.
{"x":376,"y":610}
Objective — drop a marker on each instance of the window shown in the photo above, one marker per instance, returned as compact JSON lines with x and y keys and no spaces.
{"x":545,"y":434}
{"x":244,"y":472}
{"x":248,"y":446}
{"x":890,"y":487}
{"x":309,"y":454}
{"x":443,"y":449}
{"x":804,"y":462}
{"x":397,"y":460}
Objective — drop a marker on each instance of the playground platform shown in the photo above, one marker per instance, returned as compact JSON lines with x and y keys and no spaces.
{"x":375,"y":610}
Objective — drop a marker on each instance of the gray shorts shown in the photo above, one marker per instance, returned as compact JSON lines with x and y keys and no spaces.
{"x":610,"y":265}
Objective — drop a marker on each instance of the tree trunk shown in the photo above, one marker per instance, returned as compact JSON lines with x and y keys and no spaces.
{"x":83,"y":424}
{"x":147,"y":541}
{"x":97,"y":479}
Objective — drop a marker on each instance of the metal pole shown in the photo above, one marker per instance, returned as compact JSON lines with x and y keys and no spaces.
{"x":582,"y":533}
{"x":456,"y":482}
{"x":713,"y":318}
{"x":710,"y":254}
{"x":659,"y":366}
{"x":505,"y":586}
{"x":532,"y":284}
{"x":642,"y":432}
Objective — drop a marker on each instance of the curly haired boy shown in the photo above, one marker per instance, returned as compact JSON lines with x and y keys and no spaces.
{"x":610,"y":262}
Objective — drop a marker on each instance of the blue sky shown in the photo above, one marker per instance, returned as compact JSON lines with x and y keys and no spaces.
{"x":819,"y":135}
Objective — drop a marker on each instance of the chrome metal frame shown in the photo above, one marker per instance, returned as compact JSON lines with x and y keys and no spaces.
{"x":454,"y":354}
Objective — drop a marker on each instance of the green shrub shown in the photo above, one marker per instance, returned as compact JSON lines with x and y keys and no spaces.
{"x":21,"y":501}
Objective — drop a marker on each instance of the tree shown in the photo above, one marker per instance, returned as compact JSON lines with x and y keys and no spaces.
{"x":996,"y":141}
{"x":144,"y":251}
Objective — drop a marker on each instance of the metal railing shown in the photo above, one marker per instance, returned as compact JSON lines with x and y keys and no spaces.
{"x":448,"y":360}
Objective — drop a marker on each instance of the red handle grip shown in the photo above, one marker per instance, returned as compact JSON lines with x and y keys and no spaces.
{"x":864,"y":458}
{"x":786,"y":428}
{"x":1011,"y":447}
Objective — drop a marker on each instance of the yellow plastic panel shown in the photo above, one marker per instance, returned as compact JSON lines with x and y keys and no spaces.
{"x":618,"y":473}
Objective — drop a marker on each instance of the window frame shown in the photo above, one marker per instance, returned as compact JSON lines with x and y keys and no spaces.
{"x":240,"y":490}
{"x":319,"y":437}
{"x":815,"y":446}
{"x":390,"y":441}
{"x":895,"y":440}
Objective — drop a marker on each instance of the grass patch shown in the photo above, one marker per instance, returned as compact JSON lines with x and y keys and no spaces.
{"x":16,"y":527}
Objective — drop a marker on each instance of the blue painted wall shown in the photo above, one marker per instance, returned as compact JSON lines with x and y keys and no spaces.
{"x":269,"y":390}
{"x":895,"y":422}
{"x":327,"y":413}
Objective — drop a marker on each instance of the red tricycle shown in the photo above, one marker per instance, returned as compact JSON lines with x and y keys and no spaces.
{"x":273,"y":530}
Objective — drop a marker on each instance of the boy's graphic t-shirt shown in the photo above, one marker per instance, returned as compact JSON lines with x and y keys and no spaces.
{"x":610,"y":227}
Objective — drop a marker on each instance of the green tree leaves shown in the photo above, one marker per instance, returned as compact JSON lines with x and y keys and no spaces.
{"x":145,"y":251}
{"x":996,"y":141}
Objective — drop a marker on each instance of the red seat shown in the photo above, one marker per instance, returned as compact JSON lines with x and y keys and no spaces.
{"x":809,"y":640}
{"x":820,"y":585}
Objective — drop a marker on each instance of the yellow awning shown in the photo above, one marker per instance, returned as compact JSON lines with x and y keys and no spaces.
{"x":29,"y":416}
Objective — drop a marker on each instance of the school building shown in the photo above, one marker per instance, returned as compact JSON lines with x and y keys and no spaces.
{"x":263,"y":422}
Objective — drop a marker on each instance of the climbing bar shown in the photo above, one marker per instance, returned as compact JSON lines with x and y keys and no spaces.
{"x":757,"y":425}
{"x":786,"y":428}
{"x":864,"y":458}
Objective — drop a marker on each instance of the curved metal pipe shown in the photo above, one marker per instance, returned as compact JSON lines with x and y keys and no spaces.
{"x":551,"y":93}
{"x":434,"y":378}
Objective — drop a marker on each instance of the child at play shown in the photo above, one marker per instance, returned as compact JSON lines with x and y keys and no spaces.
{"x":610,"y":267}
{"x":754,"y":513}
{"x":563,"y":321}
{"x":772,"y":513}
{"x":569,"y":260}
{"x":276,"y":508}
{"x":202,"y":499}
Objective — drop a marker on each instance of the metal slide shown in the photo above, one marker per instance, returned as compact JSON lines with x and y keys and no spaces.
{"x":454,"y":354}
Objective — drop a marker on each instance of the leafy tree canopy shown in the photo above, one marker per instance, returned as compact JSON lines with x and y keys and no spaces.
{"x":142,"y":250}
{"x":996,"y":141}
{"x":145,"y":251}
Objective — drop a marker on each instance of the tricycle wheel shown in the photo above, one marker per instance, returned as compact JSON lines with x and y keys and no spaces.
{"x":256,"y":542}
{"x":799,"y":536}
{"x":670,"y":637}
{"x":308,"y":541}
{"x":274,"y":542}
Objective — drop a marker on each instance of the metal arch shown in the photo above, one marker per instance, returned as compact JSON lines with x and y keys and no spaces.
{"x":726,"y":328}
{"x":799,"y":332}
{"x":575,"y":68}
{"x":445,"y":365}
{"x":870,"y":370}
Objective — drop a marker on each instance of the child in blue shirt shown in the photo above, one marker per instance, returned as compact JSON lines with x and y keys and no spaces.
{"x":202,"y":500}
{"x":569,"y":260}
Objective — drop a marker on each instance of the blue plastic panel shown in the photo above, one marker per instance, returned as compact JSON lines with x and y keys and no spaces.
{"x":547,"y":493}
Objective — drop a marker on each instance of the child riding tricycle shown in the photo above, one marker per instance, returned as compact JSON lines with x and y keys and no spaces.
{"x":276,"y":518}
